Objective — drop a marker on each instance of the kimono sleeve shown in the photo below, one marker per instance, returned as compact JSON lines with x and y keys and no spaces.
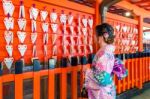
{"x":119,"y":69}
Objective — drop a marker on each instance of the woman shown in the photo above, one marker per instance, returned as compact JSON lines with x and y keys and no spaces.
{"x":99,"y":79}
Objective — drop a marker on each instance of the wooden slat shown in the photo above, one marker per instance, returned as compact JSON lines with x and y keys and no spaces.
{"x":136,"y":71}
{"x":1,"y":88}
{"x":51,"y":85}
{"x":147,"y":68}
{"x":129,"y":73}
{"x":141,"y":74}
{"x":125,"y":79}
{"x":132,"y":72}
{"x":36,"y":85}
{"x":143,"y":66}
{"x":18,"y":86}
{"x":63,"y":84}
{"x":74,"y":83}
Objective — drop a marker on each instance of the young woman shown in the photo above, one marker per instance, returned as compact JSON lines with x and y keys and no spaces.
{"x":99,"y":79}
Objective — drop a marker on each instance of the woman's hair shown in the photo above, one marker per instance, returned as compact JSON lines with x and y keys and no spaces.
{"x":106,"y":31}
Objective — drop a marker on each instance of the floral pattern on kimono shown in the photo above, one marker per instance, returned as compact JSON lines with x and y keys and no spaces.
{"x":101,"y":86}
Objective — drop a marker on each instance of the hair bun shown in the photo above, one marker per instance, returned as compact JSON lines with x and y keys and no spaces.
{"x":106,"y":31}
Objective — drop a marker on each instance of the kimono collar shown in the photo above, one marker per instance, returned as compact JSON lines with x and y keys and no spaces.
{"x":109,"y":48}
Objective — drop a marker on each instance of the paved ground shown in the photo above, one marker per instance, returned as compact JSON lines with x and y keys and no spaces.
{"x":145,"y":95}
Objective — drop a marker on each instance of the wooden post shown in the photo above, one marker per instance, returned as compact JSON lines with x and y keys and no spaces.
{"x":1,"y":89}
{"x":141,"y":74}
{"x":125,"y":79}
{"x":18,"y":86}
{"x":136,"y":71}
{"x":129,"y":73}
{"x":51,"y":85}
{"x":36,"y":85}
{"x":132,"y":72}
{"x":74,"y":83}
{"x":63,"y":84}
{"x":97,"y":21}
{"x":140,"y":33}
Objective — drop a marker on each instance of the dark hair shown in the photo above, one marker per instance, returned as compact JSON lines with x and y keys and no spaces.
{"x":106,"y":28}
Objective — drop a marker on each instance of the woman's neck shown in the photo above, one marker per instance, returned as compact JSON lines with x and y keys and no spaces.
{"x":103,"y":44}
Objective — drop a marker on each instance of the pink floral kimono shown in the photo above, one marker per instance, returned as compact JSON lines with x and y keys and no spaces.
{"x":102,"y":86}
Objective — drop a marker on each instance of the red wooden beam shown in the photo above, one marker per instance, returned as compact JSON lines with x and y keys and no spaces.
{"x":141,"y":2}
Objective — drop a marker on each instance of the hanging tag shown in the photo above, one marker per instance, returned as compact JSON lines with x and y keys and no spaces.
{"x":84,"y":30}
{"x":133,"y":42}
{"x":66,"y":50}
{"x":45,"y":50}
{"x":33,"y":22}
{"x":43,"y":15}
{"x":73,"y":50}
{"x":91,"y":32}
{"x":8,"y":7}
{"x":33,"y":37}
{"x":90,"y":22}
{"x":21,"y":10}
{"x":55,"y":50}
{"x":91,"y":40}
{"x":71,"y":29}
{"x":128,"y":29}
{"x":22,"y":24}
{"x":66,"y":40}
{"x":64,"y":29}
{"x":22,"y":49}
{"x":34,"y":52}
{"x":117,"y":27}
{"x":124,"y":29}
{"x":33,"y":12}
{"x":54,"y":39}
{"x":63,"y":18}
{"x":91,"y":48}
{"x":9,"y":49}
{"x":128,"y":48}
{"x":84,"y":21}
{"x":72,"y":40}
{"x":85,"y":50}
{"x":45,"y":26}
{"x":8,"y":37}
{"x":85,"y":40}
{"x":79,"y":50}
{"x":70,"y":18}
{"x":21,"y":36}
{"x":54,"y":27}
{"x":45,"y":38}
{"x":8,"y":62}
{"x":79,"y":21}
{"x":79,"y":30}
{"x":80,"y":41}
{"x":135,"y":31}
{"x":53,"y":16}
{"x":136,"y":48}
{"x":9,"y":23}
